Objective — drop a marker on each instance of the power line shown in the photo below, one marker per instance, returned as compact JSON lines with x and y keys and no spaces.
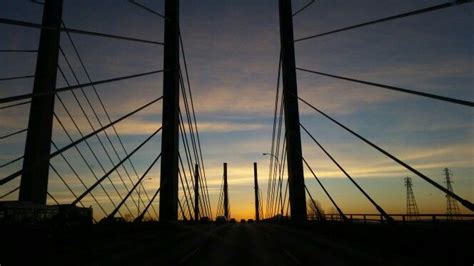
{"x":424,"y":94}
{"x":407,"y":14}
{"x":77,"y":31}
{"x":464,"y":202}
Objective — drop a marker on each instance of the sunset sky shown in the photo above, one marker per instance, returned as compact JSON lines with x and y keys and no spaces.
{"x":232,"y":50}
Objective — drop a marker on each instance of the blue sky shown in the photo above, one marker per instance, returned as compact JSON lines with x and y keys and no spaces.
{"x":232,"y":51}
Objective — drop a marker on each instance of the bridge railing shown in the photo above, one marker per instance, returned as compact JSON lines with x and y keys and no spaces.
{"x":403,"y":218}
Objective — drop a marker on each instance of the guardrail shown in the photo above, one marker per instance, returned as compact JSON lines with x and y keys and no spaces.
{"x":404,"y":218}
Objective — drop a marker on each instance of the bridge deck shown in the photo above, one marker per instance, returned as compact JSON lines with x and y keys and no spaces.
{"x":239,"y":244}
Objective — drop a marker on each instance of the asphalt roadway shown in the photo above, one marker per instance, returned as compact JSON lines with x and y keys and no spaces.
{"x":236,"y":244}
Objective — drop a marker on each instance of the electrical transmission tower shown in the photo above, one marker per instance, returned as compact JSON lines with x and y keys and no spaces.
{"x":412,"y":208}
{"x":452,"y":208}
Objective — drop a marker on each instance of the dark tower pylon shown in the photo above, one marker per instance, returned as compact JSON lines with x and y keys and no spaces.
{"x":412,"y":208}
{"x":34,"y":180}
{"x":257,"y":200}
{"x":452,"y":207}
{"x":292,"y":122}
{"x":170,"y":138}
{"x":196,"y":193}
{"x":226,"y":194}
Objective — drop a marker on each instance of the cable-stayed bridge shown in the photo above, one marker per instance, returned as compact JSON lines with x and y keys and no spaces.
{"x":108,"y":187}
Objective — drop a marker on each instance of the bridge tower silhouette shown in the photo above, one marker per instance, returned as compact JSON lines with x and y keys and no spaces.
{"x":170,"y":137}
{"x":297,"y":196}
{"x":34,"y":180}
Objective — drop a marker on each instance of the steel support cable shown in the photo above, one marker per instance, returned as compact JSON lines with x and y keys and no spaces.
{"x":62,"y":89}
{"x":287,"y":205}
{"x":194,"y":118}
{"x":79,"y":178}
{"x":187,"y":152}
{"x":285,"y":197}
{"x":194,"y":152}
{"x":379,"y":209}
{"x":321,"y":217}
{"x":76,"y":31}
{"x":219,"y":201}
{"x":84,"y":68}
{"x":147,"y":8}
{"x":464,"y":202}
{"x":193,"y":140}
{"x":418,"y":93}
{"x":12,"y":161}
{"x":14,"y":105}
{"x":277,"y":154}
{"x":115,"y":167}
{"x":17,"y":77}
{"x":184,"y":191}
{"x":17,"y":51}
{"x":140,"y":217}
{"x":13,"y":133}
{"x":270,"y":170}
{"x":9,"y":192}
{"x":304,"y":7}
{"x":181,"y":209}
{"x":196,"y":160}
{"x":186,"y":180}
{"x":407,"y":14}
{"x":281,"y":170}
{"x":282,"y":173}
{"x":83,"y":159}
{"x":279,"y":167}
{"x":189,"y":201}
{"x":112,"y":214}
{"x":51,"y":196}
{"x":343,"y":216}
{"x":184,"y":139}
{"x":67,"y":147}
{"x":65,"y":183}
{"x":280,"y":161}
{"x":91,"y":125}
